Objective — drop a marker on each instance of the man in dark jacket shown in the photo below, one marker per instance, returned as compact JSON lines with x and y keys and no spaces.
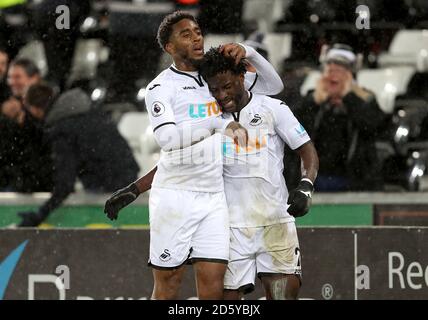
{"x":24,"y":158}
{"x":85,"y":145}
{"x":342,"y":119}
{"x":24,"y":155}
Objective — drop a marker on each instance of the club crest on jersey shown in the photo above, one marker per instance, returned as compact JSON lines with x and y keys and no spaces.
{"x":257,"y":120}
{"x":157,"y":109}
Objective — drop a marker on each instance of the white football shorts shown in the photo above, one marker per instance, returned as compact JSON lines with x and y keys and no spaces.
{"x":261,"y":251}
{"x":187,"y":225}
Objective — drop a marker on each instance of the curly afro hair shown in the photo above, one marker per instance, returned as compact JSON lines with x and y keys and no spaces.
{"x":215,"y":62}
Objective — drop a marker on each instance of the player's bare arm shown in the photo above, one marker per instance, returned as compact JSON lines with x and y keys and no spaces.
{"x":269,"y":82}
{"x":300,"y":199}
{"x":127,"y":195}
{"x":309,"y":160}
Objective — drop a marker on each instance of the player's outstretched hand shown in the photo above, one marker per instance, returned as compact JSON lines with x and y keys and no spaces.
{"x":120,"y":199}
{"x":234,"y":50}
{"x":300,"y":199}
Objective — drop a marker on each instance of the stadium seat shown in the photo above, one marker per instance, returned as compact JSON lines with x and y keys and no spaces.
{"x":215,"y":40}
{"x":132,"y":126}
{"x":386,"y":83}
{"x":87,"y":55}
{"x":35,"y":51}
{"x":412,"y":112}
{"x":266,"y":12}
{"x":149,"y":151}
{"x":279,"y":48}
{"x":408,"y":47}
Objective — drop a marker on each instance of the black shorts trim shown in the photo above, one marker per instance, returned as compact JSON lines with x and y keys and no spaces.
{"x":245,"y":289}
{"x":196,"y":259}
{"x":165,"y":268}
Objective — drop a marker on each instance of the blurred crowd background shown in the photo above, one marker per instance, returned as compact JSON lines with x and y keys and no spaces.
{"x":100,"y":65}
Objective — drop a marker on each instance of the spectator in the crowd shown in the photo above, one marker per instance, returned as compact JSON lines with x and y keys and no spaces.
{"x":86,"y":145}
{"x":4,"y":63}
{"x":24,"y":157}
{"x":21,"y":75}
{"x":342,"y":119}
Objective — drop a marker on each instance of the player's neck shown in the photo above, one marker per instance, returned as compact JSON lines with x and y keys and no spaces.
{"x":183,"y":65}
{"x":244,"y":101}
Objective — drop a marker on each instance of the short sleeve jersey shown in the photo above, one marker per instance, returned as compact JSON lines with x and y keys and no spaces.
{"x":254,"y":184}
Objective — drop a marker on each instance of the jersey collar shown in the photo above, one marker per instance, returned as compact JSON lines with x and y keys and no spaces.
{"x":192,"y":74}
{"x":237,"y":114}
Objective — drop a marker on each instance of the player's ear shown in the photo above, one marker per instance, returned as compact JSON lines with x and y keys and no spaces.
{"x":170,"y":48}
{"x":242,"y":78}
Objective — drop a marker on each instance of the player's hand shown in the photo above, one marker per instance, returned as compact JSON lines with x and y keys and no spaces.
{"x":234,"y":50}
{"x":238,"y":133}
{"x":300,"y":199}
{"x":321,"y":94}
{"x":120,"y":199}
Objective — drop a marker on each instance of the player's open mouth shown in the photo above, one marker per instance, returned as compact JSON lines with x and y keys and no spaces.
{"x":227,"y":105}
{"x":198,"y":50}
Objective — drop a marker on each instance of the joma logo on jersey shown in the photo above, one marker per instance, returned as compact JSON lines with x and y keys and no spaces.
{"x":204,"y":110}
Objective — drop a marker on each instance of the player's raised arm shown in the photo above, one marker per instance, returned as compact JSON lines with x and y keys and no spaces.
{"x":266,"y":81}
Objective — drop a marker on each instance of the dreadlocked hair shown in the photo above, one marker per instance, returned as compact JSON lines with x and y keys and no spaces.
{"x":215,"y":62}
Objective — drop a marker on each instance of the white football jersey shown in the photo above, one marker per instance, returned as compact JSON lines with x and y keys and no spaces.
{"x":254,"y":184}
{"x":183,"y":99}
